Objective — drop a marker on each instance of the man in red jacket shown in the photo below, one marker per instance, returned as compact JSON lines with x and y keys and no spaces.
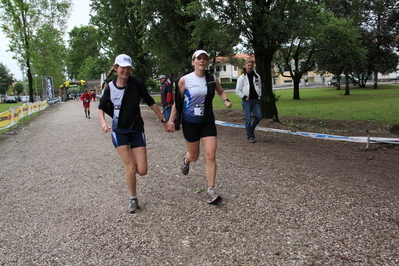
{"x":166,"y":96}
{"x":86,"y":98}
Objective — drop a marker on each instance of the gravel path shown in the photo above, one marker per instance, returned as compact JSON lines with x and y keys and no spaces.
{"x":287,"y":200}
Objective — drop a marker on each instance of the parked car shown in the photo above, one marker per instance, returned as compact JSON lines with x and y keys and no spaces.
{"x":10,"y":99}
{"x":24,"y":98}
{"x":352,"y":80}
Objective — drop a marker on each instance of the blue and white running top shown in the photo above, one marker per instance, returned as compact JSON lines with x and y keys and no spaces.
{"x":194,"y":98}
{"x":116,"y":95}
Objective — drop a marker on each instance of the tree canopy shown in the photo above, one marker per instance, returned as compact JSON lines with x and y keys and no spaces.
{"x":84,"y":49}
{"x":22,"y":21}
{"x":352,"y":37}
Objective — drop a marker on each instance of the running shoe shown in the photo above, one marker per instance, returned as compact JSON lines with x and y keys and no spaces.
{"x":251,"y":140}
{"x":213,"y":197}
{"x":185,"y":167}
{"x":134,"y":206}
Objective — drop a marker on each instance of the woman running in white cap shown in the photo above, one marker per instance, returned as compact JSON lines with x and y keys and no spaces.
{"x":193,"y":106}
{"x":121,"y":101}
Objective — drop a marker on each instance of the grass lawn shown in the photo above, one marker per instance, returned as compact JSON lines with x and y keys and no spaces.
{"x":366,"y":104}
{"x":5,"y":106}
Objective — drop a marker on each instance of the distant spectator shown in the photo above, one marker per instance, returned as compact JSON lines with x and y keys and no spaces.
{"x":249,"y":89}
{"x":166,"y":96}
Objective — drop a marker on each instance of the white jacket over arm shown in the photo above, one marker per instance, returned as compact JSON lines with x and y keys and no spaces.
{"x":242,"y":86}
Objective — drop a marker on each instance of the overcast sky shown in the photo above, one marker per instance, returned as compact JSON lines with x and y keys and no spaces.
{"x":79,"y":16}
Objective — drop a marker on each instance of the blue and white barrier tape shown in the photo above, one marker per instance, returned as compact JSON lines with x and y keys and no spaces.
{"x":317,"y":135}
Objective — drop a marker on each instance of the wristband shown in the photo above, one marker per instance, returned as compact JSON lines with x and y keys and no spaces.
{"x":226,"y":100}
{"x":163,"y":120}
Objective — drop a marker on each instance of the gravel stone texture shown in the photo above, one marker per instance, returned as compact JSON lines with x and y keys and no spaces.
{"x":288,"y":200}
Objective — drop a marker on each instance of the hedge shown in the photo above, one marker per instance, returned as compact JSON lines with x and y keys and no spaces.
{"x":228,"y":85}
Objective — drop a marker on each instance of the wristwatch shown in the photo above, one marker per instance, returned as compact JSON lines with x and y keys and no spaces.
{"x":226,"y":100}
{"x":163,"y":120}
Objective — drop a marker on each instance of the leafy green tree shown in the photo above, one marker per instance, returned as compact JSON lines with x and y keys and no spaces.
{"x":20,"y":21}
{"x":380,"y":31}
{"x":48,"y":57}
{"x":349,"y":9}
{"x":297,"y":56}
{"x":18,"y":88}
{"x":170,"y":30}
{"x":339,"y":49}
{"x":84,"y":44}
{"x":265,"y":26}
{"x":378,"y":59}
{"x":6,"y":79}
{"x":91,"y":68}
{"x":153,"y":84}
{"x":159,"y":35}
{"x":378,"y":23}
{"x":123,"y":27}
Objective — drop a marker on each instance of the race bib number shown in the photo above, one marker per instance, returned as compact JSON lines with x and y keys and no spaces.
{"x":86,"y":101}
{"x":199,"y":109}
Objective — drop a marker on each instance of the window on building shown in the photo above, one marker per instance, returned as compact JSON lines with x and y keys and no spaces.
{"x":217,"y":68}
{"x":224,"y":68}
{"x":235,"y":68}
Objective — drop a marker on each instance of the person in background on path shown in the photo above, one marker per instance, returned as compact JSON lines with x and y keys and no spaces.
{"x":94,"y":96}
{"x":193,"y":106}
{"x":121,"y":101}
{"x":248,"y":88}
{"x":86,"y":98}
{"x":166,"y":96}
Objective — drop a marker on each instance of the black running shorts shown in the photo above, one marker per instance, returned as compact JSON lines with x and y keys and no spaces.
{"x":194,"y":132}
{"x":134,"y":139}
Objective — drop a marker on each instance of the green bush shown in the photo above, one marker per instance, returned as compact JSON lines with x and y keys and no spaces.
{"x":228,"y":85}
{"x":152,"y":83}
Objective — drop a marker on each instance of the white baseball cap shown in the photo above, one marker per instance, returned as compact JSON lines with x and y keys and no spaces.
{"x":198,"y":53}
{"x":123,"y":60}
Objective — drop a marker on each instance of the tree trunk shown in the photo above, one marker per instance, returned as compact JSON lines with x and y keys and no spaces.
{"x":263,"y":67}
{"x":297,"y":81}
{"x":338,"y":82}
{"x":30,"y":80}
{"x":347,"y":84}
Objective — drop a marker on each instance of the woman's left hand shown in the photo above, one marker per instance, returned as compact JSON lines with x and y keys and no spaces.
{"x":169,"y":126}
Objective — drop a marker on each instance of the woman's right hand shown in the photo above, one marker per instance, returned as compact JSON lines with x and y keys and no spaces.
{"x":105,"y":127}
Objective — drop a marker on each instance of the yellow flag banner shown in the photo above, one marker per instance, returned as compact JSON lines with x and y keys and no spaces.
{"x":14,"y":114}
